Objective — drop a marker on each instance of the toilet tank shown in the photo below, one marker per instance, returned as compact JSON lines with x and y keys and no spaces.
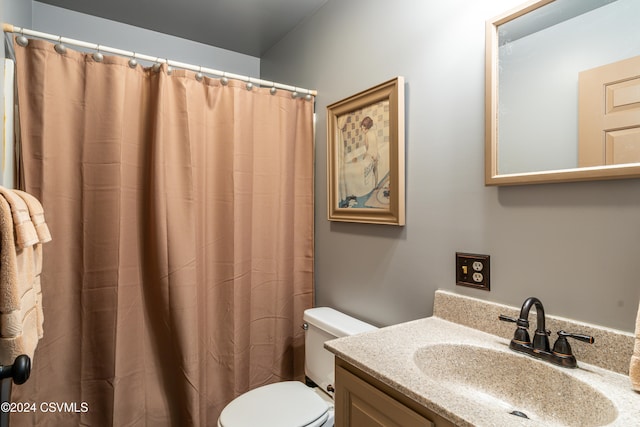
{"x":323,"y":324}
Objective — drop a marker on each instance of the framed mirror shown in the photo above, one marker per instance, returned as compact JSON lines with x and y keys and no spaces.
{"x":563,"y":92}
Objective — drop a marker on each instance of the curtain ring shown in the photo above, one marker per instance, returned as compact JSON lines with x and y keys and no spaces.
{"x":249,"y":85}
{"x":156,"y":67}
{"x":273,"y":89}
{"x":224,"y":80}
{"x":59,"y":47}
{"x":199,"y":75}
{"x":132,"y":62}
{"x":294,"y":94}
{"x":21,"y":39}
{"x":169,"y":67}
{"x":97,"y":56}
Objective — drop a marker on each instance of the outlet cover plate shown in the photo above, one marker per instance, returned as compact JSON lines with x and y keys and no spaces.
{"x":472,"y":270}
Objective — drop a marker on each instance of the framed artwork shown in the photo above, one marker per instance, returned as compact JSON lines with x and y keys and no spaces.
{"x":365,"y":156}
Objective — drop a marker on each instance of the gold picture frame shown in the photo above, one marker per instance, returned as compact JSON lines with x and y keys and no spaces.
{"x":365,"y":156}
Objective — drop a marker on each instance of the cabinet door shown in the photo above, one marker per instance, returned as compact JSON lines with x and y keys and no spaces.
{"x":358,"y":404}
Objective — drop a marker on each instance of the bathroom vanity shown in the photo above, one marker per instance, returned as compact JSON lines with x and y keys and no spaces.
{"x":362,"y":400}
{"x":456,"y":369}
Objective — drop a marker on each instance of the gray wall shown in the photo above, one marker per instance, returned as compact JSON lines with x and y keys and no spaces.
{"x":575,"y":246}
{"x":59,"y":21}
{"x":16,"y":12}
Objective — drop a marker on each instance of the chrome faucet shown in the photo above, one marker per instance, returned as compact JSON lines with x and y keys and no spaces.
{"x":561,"y":354}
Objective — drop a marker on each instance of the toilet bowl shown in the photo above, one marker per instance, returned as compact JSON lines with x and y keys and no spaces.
{"x":289,"y":403}
{"x":292,"y":403}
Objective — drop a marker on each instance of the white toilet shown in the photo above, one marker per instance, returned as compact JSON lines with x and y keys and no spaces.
{"x":292,"y":403}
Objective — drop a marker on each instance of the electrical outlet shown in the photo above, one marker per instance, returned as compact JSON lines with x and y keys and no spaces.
{"x":472,"y":270}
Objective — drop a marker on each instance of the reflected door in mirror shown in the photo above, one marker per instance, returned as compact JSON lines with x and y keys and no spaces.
{"x":609,"y":114}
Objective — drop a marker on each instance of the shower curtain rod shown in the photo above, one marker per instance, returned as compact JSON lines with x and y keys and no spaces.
{"x":9,"y":28}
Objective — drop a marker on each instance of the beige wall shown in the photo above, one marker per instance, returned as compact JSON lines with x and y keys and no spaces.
{"x":575,"y":246}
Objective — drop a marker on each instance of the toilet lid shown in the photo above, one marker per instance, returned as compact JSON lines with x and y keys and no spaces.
{"x":283,"y":404}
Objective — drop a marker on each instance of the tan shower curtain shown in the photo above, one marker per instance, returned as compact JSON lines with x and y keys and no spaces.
{"x":182,"y":254}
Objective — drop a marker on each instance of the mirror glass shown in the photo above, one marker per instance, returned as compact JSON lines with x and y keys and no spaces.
{"x":563,"y":92}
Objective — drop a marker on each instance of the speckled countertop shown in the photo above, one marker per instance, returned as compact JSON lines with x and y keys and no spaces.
{"x":415,"y":358}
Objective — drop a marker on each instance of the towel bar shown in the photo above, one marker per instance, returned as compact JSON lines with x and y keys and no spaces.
{"x":19,"y":372}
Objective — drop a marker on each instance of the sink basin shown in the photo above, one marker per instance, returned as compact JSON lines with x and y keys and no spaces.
{"x":515,"y":383}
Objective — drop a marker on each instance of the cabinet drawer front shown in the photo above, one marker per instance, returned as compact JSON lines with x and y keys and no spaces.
{"x":358,"y":404}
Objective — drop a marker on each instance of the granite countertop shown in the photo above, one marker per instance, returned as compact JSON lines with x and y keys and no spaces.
{"x":389,"y":355}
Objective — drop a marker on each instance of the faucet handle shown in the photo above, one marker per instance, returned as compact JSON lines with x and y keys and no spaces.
{"x":520,"y":322}
{"x":507,"y":319}
{"x":521,"y":336}
{"x":580,"y":337}
{"x":562,"y":347}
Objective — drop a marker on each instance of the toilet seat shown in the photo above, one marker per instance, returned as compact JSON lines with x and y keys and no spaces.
{"x":284,"y":404}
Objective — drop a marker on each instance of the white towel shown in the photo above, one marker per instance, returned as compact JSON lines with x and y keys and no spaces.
{"x":634,"y":367}
{"x":25,"y":233}
{"x":36,"y":212}
{"x":21,"y":317}
{"x":18,"y":312}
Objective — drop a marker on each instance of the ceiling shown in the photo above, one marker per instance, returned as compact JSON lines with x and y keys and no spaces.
{"x":245,"y":26}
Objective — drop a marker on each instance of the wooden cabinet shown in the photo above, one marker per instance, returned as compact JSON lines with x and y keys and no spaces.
{"x":361,"y":400}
